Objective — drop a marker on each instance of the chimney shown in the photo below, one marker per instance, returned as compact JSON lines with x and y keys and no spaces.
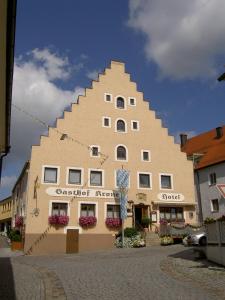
{"x":219,"y":132}
{"x":183,"y":139}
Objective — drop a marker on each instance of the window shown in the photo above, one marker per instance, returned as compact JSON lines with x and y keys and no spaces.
{"x":132,"y":101}
{"x":87,"y":210}
{"x":165,"y":181}
{"x":214,"y":205}
{"x":59,"y":209}
{"x":135,"y":125}
{"x":95,"y":151}
{"x":50,"y":175}
{"x":212,"y":179}
{"x":121,"y":153}
{"x":74,"y":176}
{"x":108,"y":97}
{"x":113,"y":211}
{"x":144,"y":180}
{"x":106,"y":122}
{"x":96,"y":178}
{"x":120,"y":103}
{"x":171,"y":214}
{"x":145,"y":155}
{"x":120,"y":126}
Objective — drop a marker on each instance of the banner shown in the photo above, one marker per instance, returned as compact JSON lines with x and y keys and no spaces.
{"x":122,"y":181}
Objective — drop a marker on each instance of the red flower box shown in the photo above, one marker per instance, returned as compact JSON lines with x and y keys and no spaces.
{"x":113,"y":222}
{"x":58,"y":220}
{"x":87,"y":221}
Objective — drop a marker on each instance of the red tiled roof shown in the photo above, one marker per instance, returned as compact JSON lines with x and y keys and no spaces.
{"x":208,"y":144}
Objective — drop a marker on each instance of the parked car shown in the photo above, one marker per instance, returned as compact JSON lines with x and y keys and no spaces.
{"x":197,"y":239}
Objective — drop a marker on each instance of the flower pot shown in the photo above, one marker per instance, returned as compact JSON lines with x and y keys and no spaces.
{"x":16,"y":246}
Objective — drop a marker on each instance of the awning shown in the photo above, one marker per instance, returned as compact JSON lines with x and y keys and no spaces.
{"x":174,"y":203}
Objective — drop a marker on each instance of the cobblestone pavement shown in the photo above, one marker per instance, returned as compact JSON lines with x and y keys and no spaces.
{"x":147,"y":273}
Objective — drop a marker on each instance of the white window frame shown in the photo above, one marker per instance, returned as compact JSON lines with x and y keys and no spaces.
{"x":95,"y":156}
{"x":67,"y":176}
{"x":87,"y":202}
{"x":125,"y":102}
{"x":43,"y":174}
{"x":138,"y":182}
{"x":142,"y":155}
{"x":105,"y":207}
{"x":138,"y":125}
{"x":116,"y":180}
{"x":171,"y":177}
{"x":135,"y":102}
{"x":214,"y":211}
{"x":103,"y":123}
{"x":89,"y":178}
{"x":118,"y":119}
{"x":59,"y":201}
{"x":111,"y":96}
{"x":115,"y":153}
{"x":211,"y":184}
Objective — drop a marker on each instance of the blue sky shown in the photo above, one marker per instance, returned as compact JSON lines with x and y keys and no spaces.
{"x":173,"y":50}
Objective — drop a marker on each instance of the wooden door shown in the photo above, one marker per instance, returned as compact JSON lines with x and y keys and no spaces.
{"x":72,"y":241}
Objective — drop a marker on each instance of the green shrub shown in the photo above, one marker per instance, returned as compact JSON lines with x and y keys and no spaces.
{"x":145,"y":222}
{"x":15,"y":236}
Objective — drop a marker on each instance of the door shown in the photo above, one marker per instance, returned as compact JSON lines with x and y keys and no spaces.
{"x":72,"y":241}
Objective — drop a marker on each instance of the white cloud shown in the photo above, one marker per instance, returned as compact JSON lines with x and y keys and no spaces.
{"x":184,"y":38}
{"x":34,"y":91}
{"x":8,"y":181}
{"x":93,"y":75}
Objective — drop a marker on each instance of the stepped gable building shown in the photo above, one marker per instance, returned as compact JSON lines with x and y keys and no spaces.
{"x":72,"y":173}
{"x":207,"y":151}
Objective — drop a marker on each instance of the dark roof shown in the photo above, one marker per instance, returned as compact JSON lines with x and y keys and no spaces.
{"x":210,"y":145}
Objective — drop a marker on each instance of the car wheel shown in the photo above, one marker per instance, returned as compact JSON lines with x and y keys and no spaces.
{"x":203,"y":241}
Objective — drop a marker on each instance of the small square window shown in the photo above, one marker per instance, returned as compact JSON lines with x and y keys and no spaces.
{"x":144,"y":180}
{"x":134,"y":125}
{"x":96,"y":178}
{"x":212,"y":179}
{"x":74,"y":176}
{"x":145,"y":156}
{"x":166,"y":182}
{"x":108,"y":97}
{"x":132,"y":101}
{"x":106,"y":122}
{"x":50,"y":175}
{"x":95,"y":151}
{"x":215,"y":205}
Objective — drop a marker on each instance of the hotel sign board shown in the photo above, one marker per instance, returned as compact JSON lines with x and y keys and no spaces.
{"x":221,"y":188}
{"x":81,"y":193}
{"x":170,"y":197}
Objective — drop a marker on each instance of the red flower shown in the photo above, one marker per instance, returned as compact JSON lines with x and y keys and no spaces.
{"x":87,"y":221}
{"x":113,"y":222}
{"x":58,"y":220}
{"x":19,"y":221}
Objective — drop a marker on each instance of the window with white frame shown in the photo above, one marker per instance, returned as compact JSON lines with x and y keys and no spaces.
{"x":95,"y":151}
{"x":113,"y":211}
{"x":108,"y":97}
{"x":144,"y":180}
{"x":165,"y":181}
{"x":87,"y":210}
{"x":120,"y":103}
{"x":120,"y":126}
{"x":215,"y":205}
{"x":121,"y":153}
{"x":59,"y":209}
{"x":145,"y":155}
{"x":50,"y":175}
{"x":132,"y":101}
{"x":74,"y":176}
{"x":135,"y":125}
{"x":96,"y":178}
{"x":106,"y":121}
{"x":212,"y":179}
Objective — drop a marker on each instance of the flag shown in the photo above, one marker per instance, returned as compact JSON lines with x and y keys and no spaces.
{"x":122,"y":180}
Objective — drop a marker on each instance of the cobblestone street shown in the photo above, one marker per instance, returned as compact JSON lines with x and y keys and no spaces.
{"x":147,"y":273}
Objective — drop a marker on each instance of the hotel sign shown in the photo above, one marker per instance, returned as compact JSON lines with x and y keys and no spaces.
{"x":81,"y":193}
{"x":170,"y":197}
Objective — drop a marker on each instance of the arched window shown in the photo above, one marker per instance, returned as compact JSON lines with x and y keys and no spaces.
{"x":120,"y":103}
{"x":121,"y":153}
{"x":120,"y":126}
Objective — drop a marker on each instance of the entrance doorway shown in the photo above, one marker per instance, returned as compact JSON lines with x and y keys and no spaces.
{"x":140,"y":211}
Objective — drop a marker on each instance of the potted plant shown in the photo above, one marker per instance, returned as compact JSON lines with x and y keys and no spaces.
{"x":16,"y":240}
{"x":88,"y":221}
{"x":113,"y":223}
{"x":145,"y":223}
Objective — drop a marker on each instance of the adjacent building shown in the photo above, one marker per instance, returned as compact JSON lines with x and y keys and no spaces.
{"x":70,"y":182}
{"x":5,"y":215}
{"x":207,"y":152}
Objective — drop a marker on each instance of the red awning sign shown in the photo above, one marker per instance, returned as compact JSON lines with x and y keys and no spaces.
{"x":221,"y":188}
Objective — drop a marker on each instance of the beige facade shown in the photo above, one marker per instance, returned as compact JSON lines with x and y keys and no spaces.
{"x":109,"y":128}
{"x":5,"y":214}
